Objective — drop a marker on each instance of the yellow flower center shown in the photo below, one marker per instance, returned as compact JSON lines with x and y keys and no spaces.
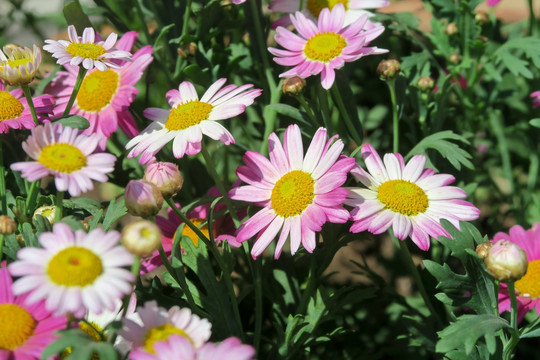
{"x":188,"y":114}
{"x":92,"y":330}
{"x":403,"y":196}
{"x":15,"y":63}
{"x":315,"y":6}
{"x":293,"y":193}
{"x":90,"y":51}
{"x":161,"y":333}
{"x":75,"y":266}
{"x":16,"y":326}
{"x":324,"y":47}
{"x":529,"y":285}
{"x":97,"y":90}
{"x":191,"y":234}
{"x":10,"y":107}
{"x":62,"y":157}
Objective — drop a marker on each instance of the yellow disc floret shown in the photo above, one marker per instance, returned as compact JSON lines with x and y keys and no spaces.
{"x":191,"y":234}
{"x":188,"y":114}
{"x":315,"y":6}
{"x":17,"y":326}
{"x":403,"y":196}
{"x":325,"y":46}
{"x":62,"y":157}
{"x":10,"y":107}
{"x":89,"y":51}
{"x":293,"y":193}
{"x":529,"y":285}
{"x":161,"y":333}
{"x":97,"y":90}
{"x":75,"y":266}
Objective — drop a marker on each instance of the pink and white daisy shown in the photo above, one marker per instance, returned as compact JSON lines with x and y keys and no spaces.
{"x":354,"y":9}
{"x":74,"y":272}
{"x":67,"y":155}
{"x":536,"y":98}
{"x":323,"y":47}
{"x":158,"y":324}
{"x":14,"y":110}
{"x":298,"y":193}
{"x":86,"y":50}
{"x":104,"y":96}
{"x":19,"y":65}
{"x":527,"y":288}
{"x":25,"y":330}
{"x":408,"y":197}
{"x":179,"y":348}
{"x":190,"y":118}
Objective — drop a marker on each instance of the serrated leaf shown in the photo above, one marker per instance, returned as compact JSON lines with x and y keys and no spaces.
{"x":74,"y":122}
{"x":446,"y":277}
{"x":449,"y":150}
{"x":115,"y":211}
{"x":30,"y":239}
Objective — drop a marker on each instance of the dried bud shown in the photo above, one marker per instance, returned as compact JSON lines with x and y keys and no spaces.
{"x":187,"y":50}
{"x":388,"y":69}
{"x":455,"y":58}
{"x":293,"y":86}
{"x":483,"y":249}
{"x":165,"y":176}
{"x":141,"y":238}
{"x":7,"y":225}
{"x":425,"y":83}
{"x":451,"y":29}
{"x":481,"y":17}
{"x":506,"y":261}
{"x":143,"y":198}
{"x":483,"y":38}
{"x":48,"y":212}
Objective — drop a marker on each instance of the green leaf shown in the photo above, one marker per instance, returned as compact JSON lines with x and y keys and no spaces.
{"x":510,"y":54}
{"x":115,"y":211}
{"x":290,"y":111}
{"x":448,"y":150}
{"x":74,"y":121}
{"x":29,"y":237}
{"x":535,"y":122}
{"x":75,"y":15}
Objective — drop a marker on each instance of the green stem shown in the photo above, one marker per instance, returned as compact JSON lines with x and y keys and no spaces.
{"x":78,"y":82}
{"x":345,"y":115}
{"x":258,"y":302}
{"x":395,"y":118}
{"x":32,"y":196}
{"x":28,"y":96}
{"x":59,"y":206}
{"x":302,"y":100}
{"x":311,"y":285}
{"x":1,"y":246}
{"x":532,"y":18}
{"x":2,"y":178}
{"x":187,"y":14}
{"x":143,"y":22}
{"x":513,"y":304}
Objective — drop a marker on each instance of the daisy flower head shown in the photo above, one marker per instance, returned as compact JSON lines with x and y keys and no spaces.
{"x":157,"y":324}
{"x":74,"y":272}
{"x":67,"y":155}
{"x":189,"y":118}
{"x":323,"y":47}
{"x":15,"y":112}
{"x":25,"y":330}
{"x":408,"y":197}
{"x":528,"y":287}
{"x":298,"y":193}
{"x":104,"y":96}
{"x":86,"y":50}
{"x":19,"y":65}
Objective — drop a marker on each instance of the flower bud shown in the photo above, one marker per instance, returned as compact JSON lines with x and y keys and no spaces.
{"x":165,"y":176}
{"x":483,"y":249}
{"x":143,"y":198}
{"x":425,"y":83}
{"x":506,"y":261}
{"x":455,"y":58}
{"x":141,"y":238}
{"x":48,"y":212}
{"x":7,"y":225}
{"x":388,"y":69}
{"x":451,"y":29}
{"x":481,"y":17}
{"x":187,"y":50}
{"x":19,"y":65}
{"x":293,"y":86}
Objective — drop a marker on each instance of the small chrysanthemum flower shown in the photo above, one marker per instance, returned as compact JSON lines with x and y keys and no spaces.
{"x":536,"y":98}
{"x":528,"y":287}
{"x":298,"y":193}
{"x":190,"y":118}
{"x":321,"y":48}
{"x":15,"y":112}
{"x":104,"y":96}
{"x":74,"y":272}
{"x":25,"y":330}
{"x":86,"y":50}
{"x":67,"y":155}
{"x":18,"y":65}
{"x":158,"y":324}
{"x":408,"y":197}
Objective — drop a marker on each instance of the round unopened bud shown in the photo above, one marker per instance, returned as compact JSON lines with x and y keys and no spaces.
{"x":506,"y":261}
{"x":451,"y":29}
{"x":165,"y":176}
{"x":7,"y":225}
{"x":481,"y":17}
{"x":141,"y":238}
{"x":48,"y":212}
{"x":293,"y":86}
{"x":143,"y":198}
{"x":455,"y":58}
{"x":425,"y":83}
{"x":483,"y":249}
{"x":388,"y":69}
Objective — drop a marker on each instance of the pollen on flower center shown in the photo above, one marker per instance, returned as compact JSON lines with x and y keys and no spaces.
{"x":75,"y":266}
{"x":315,"y":6}
{"x":161,"y":333}
{"x":191,"y":234}
{"x":10,"y":107}
{"x":529,"y":285}
{"x":188,"y":114}
{"x":89,"y":51}
{"x":91,"y":329}
{"x":97,"y":90}
{"x":17,"y":326}
{"x":403,"y":196}
{"x":15,"y":63}
{"x":324,"y":46}
{"x":293,"y":193}
{"x":62,"y":157}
